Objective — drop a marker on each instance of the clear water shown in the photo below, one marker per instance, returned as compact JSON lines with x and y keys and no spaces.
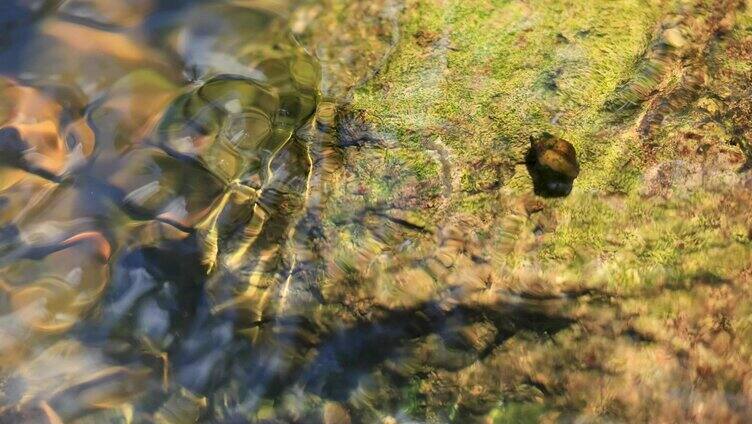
{"x":150,"y":166}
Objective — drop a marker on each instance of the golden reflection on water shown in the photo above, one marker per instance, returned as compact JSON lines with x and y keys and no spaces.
{"x":143,"y":145}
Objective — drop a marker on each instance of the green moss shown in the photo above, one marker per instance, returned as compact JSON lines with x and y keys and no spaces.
{"x":505,"y":70}
{"x":651,"y":227}
{"x":518,"y":413}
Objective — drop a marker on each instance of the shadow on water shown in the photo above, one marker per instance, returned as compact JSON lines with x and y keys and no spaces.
{"x":345,"y":357}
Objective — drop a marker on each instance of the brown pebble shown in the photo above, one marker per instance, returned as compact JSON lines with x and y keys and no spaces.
{"x":552,"y":163}
{"x":335,"y":413}
{"x":558,"y":155}
{"x":533,"y":205}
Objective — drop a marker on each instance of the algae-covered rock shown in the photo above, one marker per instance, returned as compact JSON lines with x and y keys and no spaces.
{"x":477,"y":77}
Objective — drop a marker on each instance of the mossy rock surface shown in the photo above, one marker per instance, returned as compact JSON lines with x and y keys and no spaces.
{"x":628,"y":291}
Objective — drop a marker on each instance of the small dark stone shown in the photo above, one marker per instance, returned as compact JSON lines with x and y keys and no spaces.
{"x":12,"y":147}
{"x":552,"y":163}
{"x":562,"y":39}
{"x":9,"y":232}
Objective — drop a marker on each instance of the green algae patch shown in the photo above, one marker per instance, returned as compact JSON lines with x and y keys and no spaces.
{"x":517,"y":413}
{"x":494,"y":74}
{"x":649,"y":256}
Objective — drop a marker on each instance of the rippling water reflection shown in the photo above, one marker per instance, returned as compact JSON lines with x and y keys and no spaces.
{"x":149,"y":170}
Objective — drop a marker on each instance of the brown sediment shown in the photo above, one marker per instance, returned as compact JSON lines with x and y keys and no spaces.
{"x":673,"y":73}
{"x":705,"y":28}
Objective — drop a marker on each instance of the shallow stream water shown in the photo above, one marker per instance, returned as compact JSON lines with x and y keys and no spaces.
{"x":150,"y":166}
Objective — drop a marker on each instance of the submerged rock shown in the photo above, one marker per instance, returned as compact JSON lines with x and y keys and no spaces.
{"x":552,"y":163}
{"x":335,"y":413}
{"x":674,"y":38}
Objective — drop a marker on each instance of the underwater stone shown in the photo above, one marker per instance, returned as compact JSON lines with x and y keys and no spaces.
{"x":674,"y":38}
{"x":12,"y":146}
{"x":326,"y":115}
{"x":552,"y":163}
{"x":335,"y":413}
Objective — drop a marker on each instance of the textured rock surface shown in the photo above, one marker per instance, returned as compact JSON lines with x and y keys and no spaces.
{"x":624,"y":300}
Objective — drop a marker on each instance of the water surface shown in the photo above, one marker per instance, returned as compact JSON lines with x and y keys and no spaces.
{"x":150,"y":169}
